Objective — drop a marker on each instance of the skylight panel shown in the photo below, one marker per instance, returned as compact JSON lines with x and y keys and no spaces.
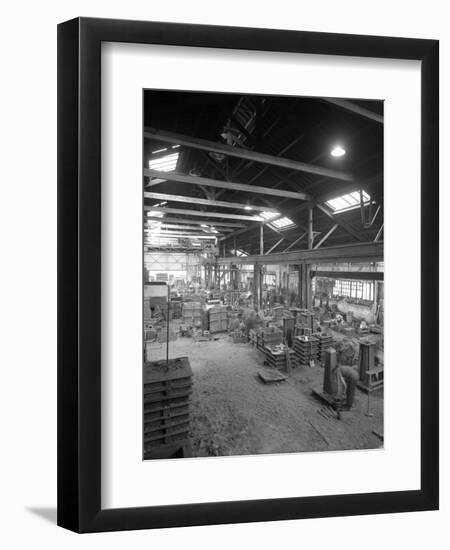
{"x":347,"y":201}
{"x":283,"y":223}
{"x":167,"y":163}
{"x":268,"y":215}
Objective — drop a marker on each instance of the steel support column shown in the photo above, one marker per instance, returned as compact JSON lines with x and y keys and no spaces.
{"x":257,"y":287}
{"x":261,"y":239}
{"x":310,"y":227}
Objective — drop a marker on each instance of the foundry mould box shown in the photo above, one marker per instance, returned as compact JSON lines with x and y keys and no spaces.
{"x":306,"y":349}
{"x":167,"y":390}
{"x":218,"y":319}
{"x":325,"y":342}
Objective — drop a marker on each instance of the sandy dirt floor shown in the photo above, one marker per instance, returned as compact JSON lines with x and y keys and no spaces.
{"x":234,"y":413}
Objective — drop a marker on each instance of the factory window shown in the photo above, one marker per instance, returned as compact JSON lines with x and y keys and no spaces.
{"x":167,"y":163}
{"x":347,"y":202}
{"x":361,"y":290}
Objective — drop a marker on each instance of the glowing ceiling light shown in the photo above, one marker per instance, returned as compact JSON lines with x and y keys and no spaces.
{"x":203,"y":225}
{"x":248,"y":207}
{"x":337,"y":151}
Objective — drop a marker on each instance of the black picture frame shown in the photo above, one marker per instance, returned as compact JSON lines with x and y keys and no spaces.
{"x":79,"y":274}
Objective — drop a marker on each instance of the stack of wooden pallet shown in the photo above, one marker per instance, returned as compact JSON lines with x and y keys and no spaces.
{"x":276,"y":356}
{"x":306,"y":349}
{"x":218,"y":319}
{"x":167,"y":388}
{"x":325,"y":342}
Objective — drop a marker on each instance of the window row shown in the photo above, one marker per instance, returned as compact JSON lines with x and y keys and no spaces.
{"x":362,"y":290}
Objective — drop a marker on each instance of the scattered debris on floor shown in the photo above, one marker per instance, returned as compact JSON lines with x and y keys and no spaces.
{"x":316,"y":429}
{"x":378,"y":434}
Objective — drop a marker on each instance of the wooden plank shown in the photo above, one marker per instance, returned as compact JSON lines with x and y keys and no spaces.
{"x":205,"y":202}
{"x":197,"y":180}
{"x":198,"y":143}
{"x":201,"y":214}
{"x":316,"y":429}
{"x":378,"y":434}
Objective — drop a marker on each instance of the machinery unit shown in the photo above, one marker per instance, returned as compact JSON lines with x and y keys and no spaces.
{"x":370,"y":376}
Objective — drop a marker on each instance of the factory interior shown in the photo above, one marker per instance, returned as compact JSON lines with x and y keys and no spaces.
{"x":263,"y":298}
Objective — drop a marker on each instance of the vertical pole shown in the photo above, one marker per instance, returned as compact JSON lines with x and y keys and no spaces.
{"x":261,"y":239}
{"x":298,"y":268}
{"x":308,"y":286}
{"x":235,"y":251}
{"x":238,"y":277}
{"x":307,"y":267}
{"x":310,"y":227}
{"x":167,"y":334}
{"x":257,"y":286}
{"x":375,"y":300}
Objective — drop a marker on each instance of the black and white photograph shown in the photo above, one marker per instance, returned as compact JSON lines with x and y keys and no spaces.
{"x":263,"y":274}
{"x":224,"y":219}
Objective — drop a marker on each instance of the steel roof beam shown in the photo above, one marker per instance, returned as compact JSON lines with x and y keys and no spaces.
{"x":215,"y":147}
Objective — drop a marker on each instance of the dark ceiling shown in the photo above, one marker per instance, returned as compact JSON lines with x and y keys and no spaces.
{"x":298,"y":128}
